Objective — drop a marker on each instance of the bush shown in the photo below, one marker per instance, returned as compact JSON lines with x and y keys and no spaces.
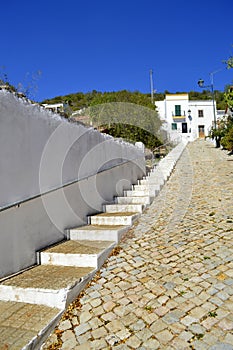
{"x":227,"y":140}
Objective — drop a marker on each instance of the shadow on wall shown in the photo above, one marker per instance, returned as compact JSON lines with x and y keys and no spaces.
{"x":53,"y":174}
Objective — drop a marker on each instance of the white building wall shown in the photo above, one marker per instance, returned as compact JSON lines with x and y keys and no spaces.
{"x":208,"y":116}
{"x":188,"y":123}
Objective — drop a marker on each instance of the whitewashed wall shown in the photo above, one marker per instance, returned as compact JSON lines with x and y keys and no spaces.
{"x":166,"y":109}
{"x":53,"y":174}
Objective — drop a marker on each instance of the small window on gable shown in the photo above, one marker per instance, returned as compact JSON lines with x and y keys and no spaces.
{"x":174,"y":126}
{"x":200,"y":113}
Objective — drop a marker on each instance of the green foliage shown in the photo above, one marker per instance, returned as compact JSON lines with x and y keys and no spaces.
{"x":227,"y":127}
{"x":127,"y":120}
{"x":227,"y":140}
{"x":228,"y":96}
{"x":82,"y":100}
{"x":207,"y":95}
{"x":123,"y":96}
{"x":229,"y":62}
{"x":133,"y":133}
{"x":4,"y":81}
{"x":224,"y":133}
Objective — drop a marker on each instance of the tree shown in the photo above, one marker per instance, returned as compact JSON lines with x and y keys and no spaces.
{"x":229,"y":62}
{"x":227,"y":128}
{"x":229,"y":98}
{"x":227,"y":141}
{"x":133,"y":133}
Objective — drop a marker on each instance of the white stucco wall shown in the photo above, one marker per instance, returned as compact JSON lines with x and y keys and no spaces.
{"x":166,"y":111}
{"x":62,"y":171}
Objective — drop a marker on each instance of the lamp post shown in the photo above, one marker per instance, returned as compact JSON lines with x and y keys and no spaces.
{"x":190,"y":119}
{"x":201,"y":85}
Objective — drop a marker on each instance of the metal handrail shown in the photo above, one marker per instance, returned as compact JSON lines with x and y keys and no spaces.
{"x":22,"y":201}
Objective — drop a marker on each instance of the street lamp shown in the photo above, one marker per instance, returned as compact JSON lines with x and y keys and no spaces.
{"x":190,"y":119}
{"x":189,"y":114}
{"x":201,"y":85}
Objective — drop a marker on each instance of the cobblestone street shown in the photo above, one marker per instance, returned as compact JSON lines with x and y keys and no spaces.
{"x":169,"y":283}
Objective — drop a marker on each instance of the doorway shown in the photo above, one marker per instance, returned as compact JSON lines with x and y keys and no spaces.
{"x":184,"y":128}
{"x":201,"y":131}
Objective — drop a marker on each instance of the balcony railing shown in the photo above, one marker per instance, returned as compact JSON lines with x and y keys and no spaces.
{"x":179,"y":118}
{"x":181,"y":115}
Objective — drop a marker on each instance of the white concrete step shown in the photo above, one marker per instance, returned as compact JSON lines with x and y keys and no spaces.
{"x":140,"y":193}
{"x":122,"y":208}
{"x":147,"y":187}
{"x":83,"y":253}
{"x":152,"y":180}
{"x":145,"y":200}
{"x":53,"y":286}
{"x":114,"y":218}
{"x":98,"y":232}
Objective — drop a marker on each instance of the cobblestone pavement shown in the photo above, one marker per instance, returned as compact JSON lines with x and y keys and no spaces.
{"x":170,"y":283}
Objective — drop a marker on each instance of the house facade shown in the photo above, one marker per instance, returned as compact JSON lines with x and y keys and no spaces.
{"x":185,"y":119}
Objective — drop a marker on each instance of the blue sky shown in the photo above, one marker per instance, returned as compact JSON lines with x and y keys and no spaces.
{"x":112,"y":45}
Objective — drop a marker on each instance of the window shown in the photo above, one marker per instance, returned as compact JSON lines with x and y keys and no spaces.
{"x":200,"y":113}
{"x":177,"y":110}
{"x":174,"y":126}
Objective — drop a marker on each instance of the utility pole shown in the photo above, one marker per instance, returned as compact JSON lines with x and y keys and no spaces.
{"x":151,"y":86}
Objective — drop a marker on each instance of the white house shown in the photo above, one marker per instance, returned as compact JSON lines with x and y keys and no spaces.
{"x":186,"y":119}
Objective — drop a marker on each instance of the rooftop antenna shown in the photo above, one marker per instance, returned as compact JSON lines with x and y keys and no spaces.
{"x":151,"y":86}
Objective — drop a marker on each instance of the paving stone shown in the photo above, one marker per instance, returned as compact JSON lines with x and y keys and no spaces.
{"x":144,"y":334}
{"x":164,"y":336}
{"x":188,"y":320}
{"x":99,"y":332}
{"x":172,"y":317}
{"x":129,"y":319}
{"x":123,"y":334}
{"x":112,"y":339}
{"x":110,"y":316}
{"x":162,"y":310}
{"x":83,"y":328}
{"x":95,"y":322}
{"x":196,"y":328}
{"x":199,"y":345}
{"x":210,"y":339}
{"x":98,"y":311}
{"x":82,"y":339}
{"x":69,"y":335}
{"x":221,"y":346}
{"x":197,"y":312}
{"x":85,"y":317}
{"x":185,"y":335}
{"x":209,"y":322}
{"x":175,"y":266}
{"x":151,"y":344}
{"x":122,"y":347}
{"x":95,"y":302}
{"x":98,"y":344}
{"x":114,"y":326}
{"x":64,"y":325}
{"x":84,"y":346}
{"x":133,"y":342}
{"x":228,"y":338}
{"x":69,"y":340}
{"x":226,"y":324}
{"x":137,"y":326}
{"x":179,"y":344}
{"x":109,"y":305}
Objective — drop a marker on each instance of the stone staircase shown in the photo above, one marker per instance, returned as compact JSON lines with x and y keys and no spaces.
{"x":64,"y":269}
